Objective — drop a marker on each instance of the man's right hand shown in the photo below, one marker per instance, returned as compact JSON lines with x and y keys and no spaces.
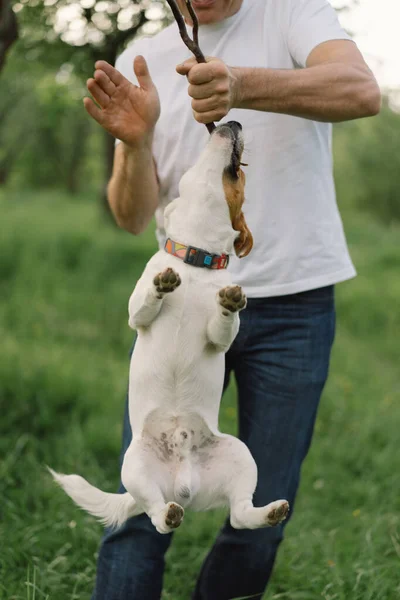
{"x":127,"y":111}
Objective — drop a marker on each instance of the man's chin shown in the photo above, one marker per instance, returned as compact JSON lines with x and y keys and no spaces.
{"x":207,"y":11}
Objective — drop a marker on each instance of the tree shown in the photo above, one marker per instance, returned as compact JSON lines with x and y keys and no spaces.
{"x":60,"y":33}
{"x":8,"y":29}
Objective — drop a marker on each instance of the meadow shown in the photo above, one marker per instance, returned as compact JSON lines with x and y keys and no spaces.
{"x":65,"y":278}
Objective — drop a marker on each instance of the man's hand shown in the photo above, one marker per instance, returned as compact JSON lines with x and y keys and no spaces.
{"x":127,"y":111}
{"x":213,"y":87}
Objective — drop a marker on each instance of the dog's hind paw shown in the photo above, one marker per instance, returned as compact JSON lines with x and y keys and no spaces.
{"x":232,"y":298}
{"x":174,"y":516}
{"x":166,"y":281}
{"x":169,"y":518}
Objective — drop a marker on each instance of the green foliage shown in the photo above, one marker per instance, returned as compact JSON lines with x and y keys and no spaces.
{"x":368,"y":165}
{"x":82,"y":31}
{"x":45,"y":135}
{"x":65,"y":280}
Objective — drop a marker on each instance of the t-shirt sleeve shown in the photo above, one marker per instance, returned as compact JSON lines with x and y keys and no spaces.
{"x":310,"y":23}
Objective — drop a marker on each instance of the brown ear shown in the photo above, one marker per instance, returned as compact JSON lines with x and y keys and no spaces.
{"x":234,"y":193}
{"x":244,"y":243}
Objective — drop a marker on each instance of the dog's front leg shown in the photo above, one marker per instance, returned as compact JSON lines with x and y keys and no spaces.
{"x":224,"y":324}
{"x":145,"y":302}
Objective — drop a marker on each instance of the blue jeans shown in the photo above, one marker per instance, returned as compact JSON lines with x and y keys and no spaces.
{"x":280,"y":359}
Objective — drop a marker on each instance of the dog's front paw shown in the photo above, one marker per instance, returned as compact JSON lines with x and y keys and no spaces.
{"x":166,"y":281}
{"x":232,"y":298}
{"x":278,"y":512}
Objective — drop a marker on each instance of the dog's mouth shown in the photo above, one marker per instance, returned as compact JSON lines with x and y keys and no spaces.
{"x":233,"y":131}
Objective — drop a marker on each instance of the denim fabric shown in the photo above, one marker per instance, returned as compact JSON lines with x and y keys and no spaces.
{"x":280,"y":359}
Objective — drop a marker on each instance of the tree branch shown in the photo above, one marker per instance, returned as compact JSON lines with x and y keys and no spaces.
{"x":193,"y":45}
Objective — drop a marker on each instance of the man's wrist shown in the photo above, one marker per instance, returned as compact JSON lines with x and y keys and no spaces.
{"x":254,"y":88}
{"x":237,"y":87}
{"x":141,"y":146}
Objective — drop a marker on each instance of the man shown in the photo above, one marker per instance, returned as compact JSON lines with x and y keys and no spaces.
{"x":285,"y":70}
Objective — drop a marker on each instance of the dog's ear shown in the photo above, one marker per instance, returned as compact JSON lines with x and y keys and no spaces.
{"x":244,"y":242}
{"x":234,"y":193}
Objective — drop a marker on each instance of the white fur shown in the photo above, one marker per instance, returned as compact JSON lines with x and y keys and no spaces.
{"x":177,"y":455}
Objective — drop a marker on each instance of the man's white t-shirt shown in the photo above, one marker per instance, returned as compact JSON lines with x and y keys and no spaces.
{"x":290,"y":205}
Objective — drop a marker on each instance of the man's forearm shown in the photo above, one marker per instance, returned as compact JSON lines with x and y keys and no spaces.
{"x":133,"y":188}
{"x":329,"y":92}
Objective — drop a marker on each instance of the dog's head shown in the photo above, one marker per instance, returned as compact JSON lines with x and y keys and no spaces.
{"x":213,"y":194}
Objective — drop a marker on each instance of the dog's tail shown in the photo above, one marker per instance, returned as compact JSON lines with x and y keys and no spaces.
{"x":112,"y":509}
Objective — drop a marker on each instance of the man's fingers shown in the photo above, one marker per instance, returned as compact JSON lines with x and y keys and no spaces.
{"x":142,"y":73}
{"x":209,"y":117}
{"x":93,"y":110}
{"x":114,"y":75}
{"x":104,"y":82}
{"x":203,"y":73}
{"x":184,"y":68}
{"x":196,"y":73}
{"x":101,"y":97}
{"x":198,"y":92}
{"x":207,"y":105}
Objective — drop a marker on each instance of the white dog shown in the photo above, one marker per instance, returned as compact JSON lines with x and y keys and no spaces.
{"x":185,"y":323}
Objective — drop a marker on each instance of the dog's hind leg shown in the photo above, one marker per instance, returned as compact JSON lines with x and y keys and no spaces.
{"x":240,"y":490}
{"x":232,"y":473}
{"x":150,"y":481}
{"x":146,"y":300}
{"x":224,"y":324}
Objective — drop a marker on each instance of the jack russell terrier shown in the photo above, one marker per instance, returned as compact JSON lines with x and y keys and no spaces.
{"x":186,"y":319}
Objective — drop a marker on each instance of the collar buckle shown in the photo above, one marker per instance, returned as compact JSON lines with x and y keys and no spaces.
{"x":199,"y":258}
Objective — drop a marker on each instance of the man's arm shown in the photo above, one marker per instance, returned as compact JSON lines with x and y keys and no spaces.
{"x":133,"y":187}
{"x":129,"y":113}
{"x":336,"y":85}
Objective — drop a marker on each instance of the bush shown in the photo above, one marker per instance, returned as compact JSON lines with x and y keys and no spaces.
{"x":367,"y":165}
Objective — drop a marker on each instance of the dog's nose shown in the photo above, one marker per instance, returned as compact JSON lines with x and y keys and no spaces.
{"x":235,"y":125}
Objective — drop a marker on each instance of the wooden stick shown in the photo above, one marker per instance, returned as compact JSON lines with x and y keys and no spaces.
{"x":195,"y":22}
{"x":193,"y":45}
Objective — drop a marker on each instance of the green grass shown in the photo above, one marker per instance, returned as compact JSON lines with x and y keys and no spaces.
{"x":65,"y":279}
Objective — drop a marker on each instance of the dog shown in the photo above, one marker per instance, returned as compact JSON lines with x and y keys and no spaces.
{"x":186,"y":319}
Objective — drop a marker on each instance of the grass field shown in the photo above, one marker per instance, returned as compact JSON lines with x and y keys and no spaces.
{"x":65,"y":278}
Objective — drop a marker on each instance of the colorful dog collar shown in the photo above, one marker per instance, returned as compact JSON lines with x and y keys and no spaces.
{"x":196,"y":256}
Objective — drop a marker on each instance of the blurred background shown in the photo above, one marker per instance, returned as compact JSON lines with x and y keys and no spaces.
{"x":66,"y":273}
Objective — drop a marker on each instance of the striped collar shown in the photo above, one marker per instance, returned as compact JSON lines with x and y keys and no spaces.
{"x":196,"y":256}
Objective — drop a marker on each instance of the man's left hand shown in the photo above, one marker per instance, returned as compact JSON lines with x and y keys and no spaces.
{"x":213,"y":87}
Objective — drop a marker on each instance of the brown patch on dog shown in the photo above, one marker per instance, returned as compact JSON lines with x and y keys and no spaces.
{"x":234,"y":194}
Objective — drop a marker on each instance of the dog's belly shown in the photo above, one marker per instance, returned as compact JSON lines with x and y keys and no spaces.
{"x":174,"y":436}
{"x":170,"y":442}
{"x":173,"y":366}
